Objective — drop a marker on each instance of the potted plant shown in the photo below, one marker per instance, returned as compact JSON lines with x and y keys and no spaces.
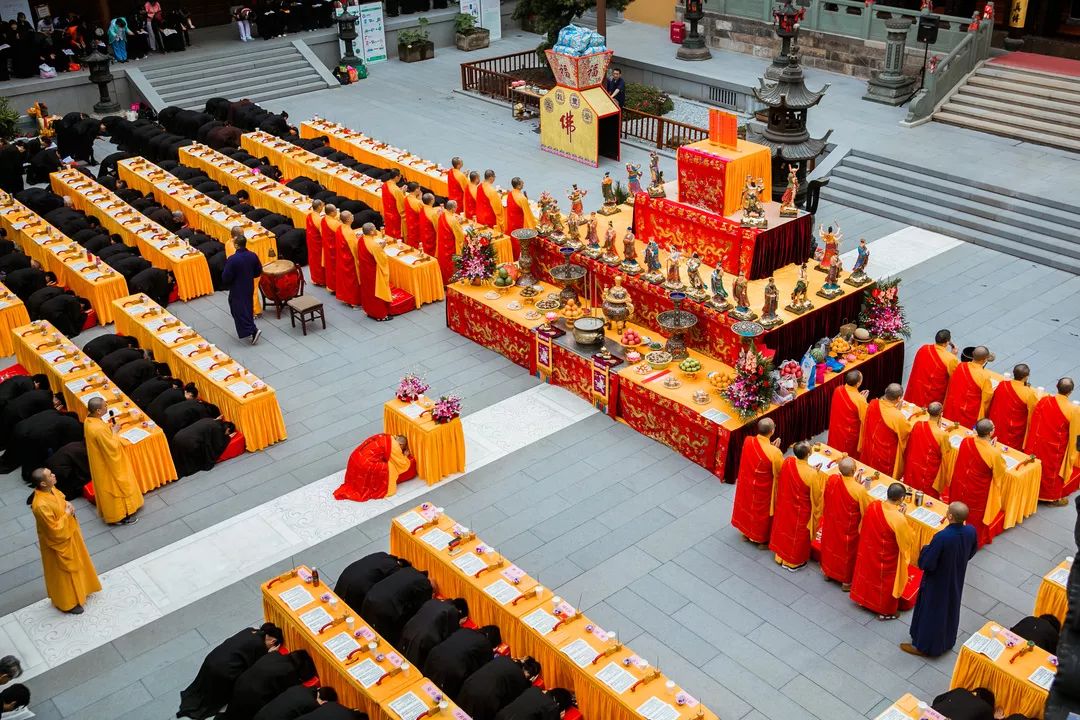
{"x":413,"y":43}
{"x":467,"y":36}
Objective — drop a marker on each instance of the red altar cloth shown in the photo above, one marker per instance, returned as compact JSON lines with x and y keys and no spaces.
{"x":712,"y":177}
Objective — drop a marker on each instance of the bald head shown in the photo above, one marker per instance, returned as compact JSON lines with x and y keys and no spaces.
{"x":766,"y":427}
{"x":984,"y":428}
{"x":853,"y":378}
{"x":331,"y":209}
{"x":846,"y":467}
{"x":368,"y":228}
{"x":894,"y":392}
{"x":801,"y":450}
{"x":1065,"y":386}
{"x":451,"y":205}
{"x":1021,"y":372}
{"x":958,"y":513}
{"x":317,"y":205}
{"x":980,"y":354}
{"x":896,"y":492}
{"x":346,"y":218}
{"x":934,"y":409}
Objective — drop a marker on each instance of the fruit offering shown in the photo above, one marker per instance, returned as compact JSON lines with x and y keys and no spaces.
{"x":502,"y":278}
{"x":690,"y":366}
{"x":658,"y":359}
{"x":630,"y":338}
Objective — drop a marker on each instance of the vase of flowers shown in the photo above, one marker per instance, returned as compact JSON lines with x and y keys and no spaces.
{"x":411,"y":387}
{"x":476,"y":262}
{"x":882,"y":314}
{"x":755,"y":384}
{"x":446,"y":409}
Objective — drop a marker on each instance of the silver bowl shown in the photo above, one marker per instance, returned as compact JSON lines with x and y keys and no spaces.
{"x":588,"y":330}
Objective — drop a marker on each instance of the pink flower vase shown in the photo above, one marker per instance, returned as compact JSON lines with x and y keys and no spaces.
{"x":819,"y":376}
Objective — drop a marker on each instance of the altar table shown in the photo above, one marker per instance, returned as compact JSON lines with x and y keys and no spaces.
{"x":439,"y":449}
{"x":421,"y":278}
{"x":1053,"y":597}
{"x":1013,"y":689}
{"x":12,"y":315}
{"x":908,"y":707}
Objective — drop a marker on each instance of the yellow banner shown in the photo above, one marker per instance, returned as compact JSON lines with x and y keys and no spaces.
{"x":1018,"y":13}
{"x":569,"y":125}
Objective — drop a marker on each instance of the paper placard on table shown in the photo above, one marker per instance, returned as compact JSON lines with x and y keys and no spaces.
{"x":1059,"y":576}
{"x":52,"y":356}
{"x":616,"y":678}
{"x":135,"y":435}
{"x":502,"y":591}
{"x":136,"y":309}
{"x":87,"y":398}
{"x":65,"y":367}
{"x":77,"y":385}
{"x":410,"y":520}
{"x":541,"y":621}
{"x":470,"y":563}
{"x":893,"y":714}
{"x":437,"y":538}
{"x":316,"y":618}
{"x":925,"y":515}
{"x":240,"y":388}
{"x":296,"y":597}
{"x":173,"y":336}
{"x":408,"y":706}
{"x":817,"y":459}
{"x":204,"y":363}
{"x":983,"y":645}
{"x":367,"y":673}
{"x":1010,"y":461}
{"x":717,"y":416}
{"x":412,"y":411}
{"x":879,"y":492}
{"x":581,"y":652}
{"x":341,"y":645}
{"x":220,"y":374}
{"x":410,"y":259}
{"x":1042,"y":677}
{"x":656,"y":709}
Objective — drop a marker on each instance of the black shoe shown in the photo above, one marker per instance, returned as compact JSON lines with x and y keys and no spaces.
{"x":77,"y":610}
{"x":256,"y":336}
{"x":129,"y":520}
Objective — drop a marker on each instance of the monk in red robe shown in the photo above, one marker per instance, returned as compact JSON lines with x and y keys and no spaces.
{"x":470,"y":195}
{"x":393,"y":206}
{"x":881,"y":562}
{"x":374,"y":267}
{"x":449,"y":239}
{"x":842,"y":506}
{"x":1011,"y":406}
{"x":376,"y":467}
{"x":798,"y":509}
{"x":846,"y":414}
{"x":313,"y":229}
{"x":518,"y":213}
{"x":429,"y":224}
{"x":931,"y":369}
{"x":977,"y":478}
{"x":926,"y":464}
{"x":348,"y":278}
{"x":489,"y":207}
{"x":755,"y":488}
{"x":970,"y":389}
{"x":414,"y":211}
{"x":330,"y":225}
{"x":1052,"y":437}
{"x":884,"y":433}
{"x":456,"y":181}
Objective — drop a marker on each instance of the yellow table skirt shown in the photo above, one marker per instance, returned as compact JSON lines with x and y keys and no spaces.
{"x":439,"y":450}
{"x":1052,"y":598}
{"x":12,"y":315}
{"x":422,"y":280}
{"x":1012,"y":690}
{"x":909,"y":706}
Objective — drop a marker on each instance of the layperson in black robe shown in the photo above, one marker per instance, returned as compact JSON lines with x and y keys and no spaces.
{"x":435,"y":621}
{"x":157,"y":407}
{"x":67,"y":312}
{"x":333,"y":711}
{"x":15,"y":260}
{"x":137,"y":372}
{"x":37,"y":437}
{"x":391,"y":602}
{"x":155,"y":283}
{"x":21,"y":407}
{"x":265,"y":680}
{"x":459,"y":656}
{"x":963,"y":704}
{"x":130,"y":265}
{"x":101,"y":346}
{"x":496,"y":685}
{"x":360,"y":576}
{"x":11,"y":165}
{"x":26,"y":281}
{"x":44,"y":163}
{"x":213,"y":685}
{"x":1044,"y":631}
{"x":199,"y":445}
{"x":71,"y":466}
{"x":119,"y":358}
{"x":294,"y":702}
{"x":148,"y":391}
{"x":537,"y":704}
{"x":17,"y":385}
{"x":39,"y":297}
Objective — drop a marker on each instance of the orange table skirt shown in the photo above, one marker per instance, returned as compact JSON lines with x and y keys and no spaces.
{"x":422,"y":280}
{"x":439,"y":449}
{"x":1052,"y":598}
{"x":11,"y":317}
{"x":1012,"y":691}
{"x":259,"y":198}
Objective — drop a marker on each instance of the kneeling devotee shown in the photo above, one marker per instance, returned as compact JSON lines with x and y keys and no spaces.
{"x":537,"y":704}
{"x":842,"y":506}
{"x":347,"y":286}
{"x":267,"y":678}
{"x":969,"y":390}
{"x":213,"y":686}
{"x":374,"y":269}
{"x":518,"y":213}
{"x":798,"y":509}
{"x":360,"y":576}
{"x":296,"y":702}
{"x":449,"y":240}
{"x":1011,"y":406}
{"x":199,"y":445}
{"x":885,"y":433}
{"x":943,"y":563}
{"x":116,"y":491}
{"x":755,"y":489}
{"x":977,"y":479}
{"x":1052,"y":438}
{"x":1044,"y":631}
{"x":963,"y":704}
{"x":881,"y":561}
{"x":435,"y":621}
{"x":69,"y":573}
{"x":847,"y":413}
{"x":925,"y":468}
{"x":390,"y":603}
{"x":457,"y":657}
{"x":931,"y":369}
{"x":496,"y":685}
{"x":376,"y":467}
{"x":313,"y":235}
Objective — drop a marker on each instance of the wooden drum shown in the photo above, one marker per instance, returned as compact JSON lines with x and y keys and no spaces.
{"x":280,"y":282}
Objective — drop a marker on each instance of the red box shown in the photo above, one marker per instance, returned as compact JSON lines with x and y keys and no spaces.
{"x":678,"y":32}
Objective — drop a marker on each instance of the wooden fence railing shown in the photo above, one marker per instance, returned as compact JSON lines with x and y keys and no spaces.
{"x":660,"y":131}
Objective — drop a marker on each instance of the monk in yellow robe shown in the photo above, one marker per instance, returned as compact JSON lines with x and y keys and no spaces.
{"x":931,"y":370}
{"x":456,"y":182}
{"x":755,"y":488}
{"x":881,"y":562}
{"x":116,"y":491}
{"x":69,"y":573}
{"x":978,"y":477}
{"x":374,"y":269}
{"x":884,"y":433}
{"x":970,"y":390}
{"x":1011,"y":406}
{"x":926,"y":458}
{"x":489,"y":207}
{"x":846,"y":414}
{"x":518,"y":213}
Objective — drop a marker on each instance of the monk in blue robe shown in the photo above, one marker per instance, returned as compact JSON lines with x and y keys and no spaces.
{"x":943,"y":563}
{"x":239,"y":275}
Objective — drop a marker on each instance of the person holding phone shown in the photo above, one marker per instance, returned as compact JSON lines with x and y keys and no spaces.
{"x":116,"y":490}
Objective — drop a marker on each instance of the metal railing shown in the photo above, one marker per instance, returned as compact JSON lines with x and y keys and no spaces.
{"x":950,"y":71}
{"x":659,"y":131}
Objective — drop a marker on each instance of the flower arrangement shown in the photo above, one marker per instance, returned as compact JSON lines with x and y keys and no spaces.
{"x":477,"y":259}
{"x":446,"y":409}
{"x":752,"y":390}
{"x":411,"y":387}
{"x":881,"y":313}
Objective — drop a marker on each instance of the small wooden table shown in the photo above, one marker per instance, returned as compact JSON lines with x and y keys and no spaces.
{"x":439,"y":448}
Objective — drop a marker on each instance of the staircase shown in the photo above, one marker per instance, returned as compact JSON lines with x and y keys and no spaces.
{"x":263,"y":73}
{"x":1025,"y":104}
{"x":1025,"y":226}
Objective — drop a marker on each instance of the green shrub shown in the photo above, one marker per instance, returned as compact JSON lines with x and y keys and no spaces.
{"x":464,"y":23}
{"x":647,"y":99}
{"x":9,"y":120}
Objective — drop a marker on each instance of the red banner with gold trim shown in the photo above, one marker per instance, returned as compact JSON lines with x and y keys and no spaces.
{"x":681,"y":428}
{"x":486,"y":327}
{"x":701,"y":179}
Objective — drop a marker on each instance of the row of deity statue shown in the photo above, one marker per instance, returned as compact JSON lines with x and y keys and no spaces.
{"x":753,"y":206}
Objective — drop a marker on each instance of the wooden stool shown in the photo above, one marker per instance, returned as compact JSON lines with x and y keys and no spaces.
{"x":307,"y":309}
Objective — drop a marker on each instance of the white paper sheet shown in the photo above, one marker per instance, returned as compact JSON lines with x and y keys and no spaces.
{"x":470,"y":563}
{"x":412,"y":411}
{"x":879,"y":492}
{"x":581,"y":652}
{"x":616,"y":678}
{"x":893,"y":714}
{"x":926,"y":516}
{"x":408,"y":706}
{"x":341,"y":645}
{"x":239,"y":388}
{"x":541,"y":621}
{"x":1059,"y":576}
{"x":367,"y":673}
{"x":296,"y":597}
{"x":316,"y":618}
{"x":220,"y":374}
{"x":437,"y":538}
{"x":1043,"y":677}
{"x":1010,"y":461}
{"x":955,"y":440}
{"x":656,"y":709}
{"x":410,"y":520}
{"x":78,"y":385}
{"x":985,"y":646}
{"x":134,"y":435}
{"x":204,"y":363}
{"x":410,"y":259}
{"x":502,"y":591}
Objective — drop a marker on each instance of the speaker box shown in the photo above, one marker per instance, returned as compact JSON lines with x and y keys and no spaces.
{"x":928,"y":29}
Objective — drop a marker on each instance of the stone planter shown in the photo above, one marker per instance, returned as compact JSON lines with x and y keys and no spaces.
{"x":475,"y":39}
{"x":416,"y":52}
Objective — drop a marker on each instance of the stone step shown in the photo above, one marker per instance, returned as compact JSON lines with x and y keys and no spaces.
{"x":211,"y":75}
{"x":1023,"y":88}
{"x":839,"y":193}
{"x":1033,"y":77}
{"x":279,"y":87}
{"x":265,"y":95}
{"x":1019,"y":101}
{"x":1007,"y":129}
{"x":236,"y":85}
{"x":1034,"y":113}
{"x":184,"y":63}
{"x":1018,"y":118}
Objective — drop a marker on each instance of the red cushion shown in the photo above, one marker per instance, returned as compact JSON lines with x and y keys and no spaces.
{"x":174,"y":296}
{"x":235,"y":448}
{"x":401,"y":302}
{"x":815,"y":549}
{"x":10,"y":372}
{"x":91,"y":320}
{"x":911,"y":590}
{"x":88,"y":492}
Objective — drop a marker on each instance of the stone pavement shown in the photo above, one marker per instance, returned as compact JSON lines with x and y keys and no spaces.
{"x":595,"y":510}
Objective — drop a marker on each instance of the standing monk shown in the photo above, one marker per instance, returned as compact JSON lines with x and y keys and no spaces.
{"x":969,"y":389}
{"x":471,"y":191}
{"x":489,"y":207}
{"x":238,"y":274}
{"x":943,"y":563}
{"x":977,"y":478}
{"x":69,"y":573}
{"x":798,"y":509}
{"x":116,"y":491}
{"x":393,"y":205}
{"x":931,"y":369}
{"x":885,"y":433}
{"x":456,"y":181}
{"x":518,"y":212}
{"x":313,"y":229}
{"x":1052,"y":437}
{"x":374,"y":269}
{"x":925,"y":466}
{"x":429,"y":224}
{"x":881,"y":562}
{"x":330,"y":225}
{"x":348,"y":279}
{"x":1011,"y":406}
{"x":414,"y":209}
{"x":448,"y":240}
{"x":755,"y":489}
{"x":842,"y":508}
{"x":847,"y":413}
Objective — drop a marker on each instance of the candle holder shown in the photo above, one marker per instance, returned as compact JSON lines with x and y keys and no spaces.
{"x":676,"y":323}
